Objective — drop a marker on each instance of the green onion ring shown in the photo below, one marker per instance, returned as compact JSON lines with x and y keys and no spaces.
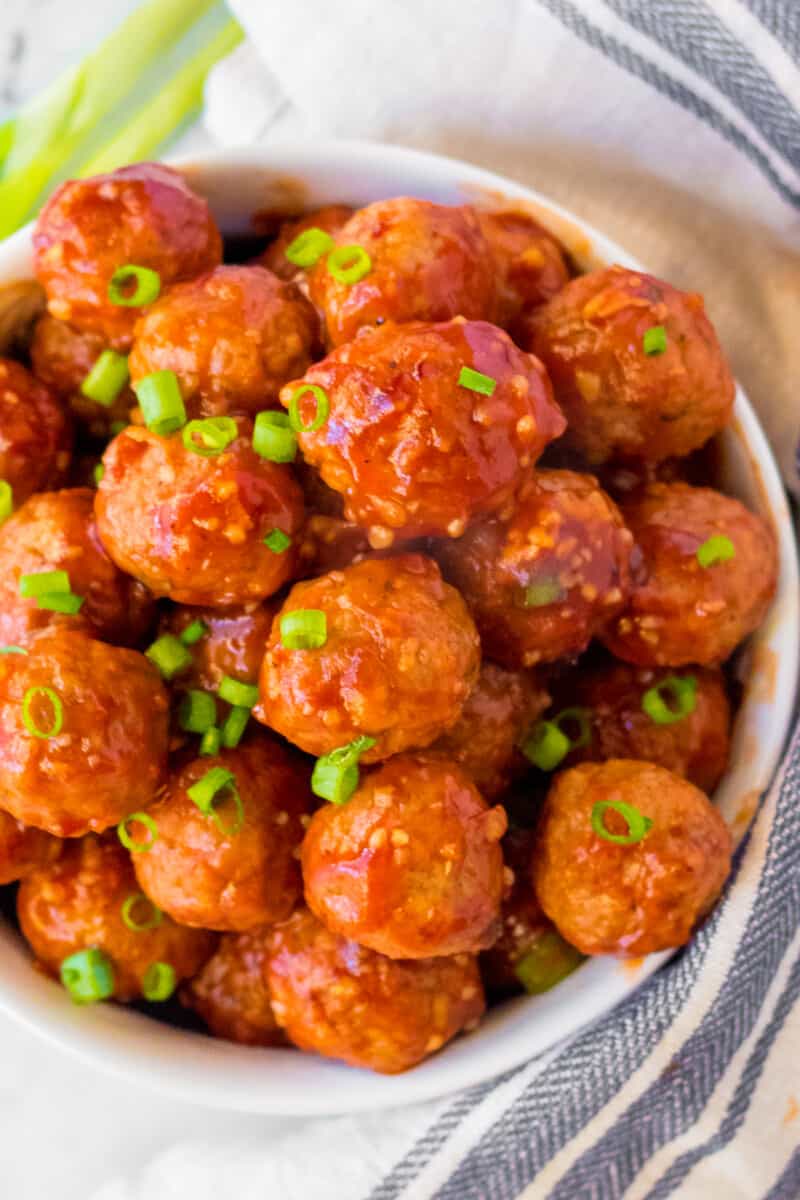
{"x":638,"y":824}
{"x":58,"y":712}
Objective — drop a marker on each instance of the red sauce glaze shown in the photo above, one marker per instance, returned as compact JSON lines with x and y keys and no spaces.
{"x":193,"y":528}
{"x":563,"y":538}
{"x":24,"y":849}
{"x":110,"y":753}
{"x":62,"y":357}
{"x":680,"y":612}
{"x":145,"y":215}
{"x":414,"y":452}
{"x":35,"y":433}
{"x":234,"y":644}
{"x":411,"y":866}
{"x":606,"y":898}
{"x":231,"y":993}
{"x":77,"y":903}
{"x":529,"y":264}
{"x":342,"y":1000}
{"x":400,"y":658}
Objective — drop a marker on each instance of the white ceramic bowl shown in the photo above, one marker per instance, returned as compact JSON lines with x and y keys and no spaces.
{"x":284,"y":1082}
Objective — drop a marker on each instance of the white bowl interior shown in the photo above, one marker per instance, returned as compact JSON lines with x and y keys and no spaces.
{"x":195,"y":1067}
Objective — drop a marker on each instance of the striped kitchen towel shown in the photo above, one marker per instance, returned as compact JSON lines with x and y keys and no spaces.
{"x":674,"y":126}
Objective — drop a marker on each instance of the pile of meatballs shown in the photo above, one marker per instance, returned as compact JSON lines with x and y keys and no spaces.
{"x":363,"y":616}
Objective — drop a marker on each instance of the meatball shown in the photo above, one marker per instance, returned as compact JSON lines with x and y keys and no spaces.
{"x":413,"y":450}
{"x":62,"y":357}
{"x":35,"y":433}
{"x":83,"y":733}
{"x":411,"y":866}
{"x":635,"y":365}
{"x":55,"y":531}
{"x":544,"y":579}
{"x":24,"y":849}
{"x":529,"y":263}
{"x":330,"y":543}
{"x":344,"y":1001}
{"x":232,"y":866}
{"x":191,"y":527}
{"x":529,"y":953}
{"x":233,"y":337}
{"x":233,"y":644}
{"x":399,"y":659}
{"x":329,"y":219}
{"x":78,"y":903}
{"x":628,"y":899}
{"x":145,"y":215}
{"x":426,"y":262}
{"x":710,"y":572}
{"x":231,"y":993}
{"x":500,"y":708}
{"x":695,"y":745}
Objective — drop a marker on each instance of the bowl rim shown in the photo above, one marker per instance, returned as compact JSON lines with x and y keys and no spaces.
{"x":199,"y":1069}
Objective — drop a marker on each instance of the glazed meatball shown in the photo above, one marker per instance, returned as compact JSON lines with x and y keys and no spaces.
{"x":529,"y":954}
{"x":145,"y":215}
{"x":413,"y":450}
{"x":331,"y":543}
{"x":400,"y":657}
{"x":710,"y":572}
{"x":329,"y":219}
{"x":610,"y":898}
{"x":62,"y":357}
{"x":528,"y":261}
{"x":231,"y":868}
{"x":695,"y":745}
{"x":498,"y":711}
{"x":55,"y":531}
{"x":78,"y":903}
{"x":344,"y":1001}
{"x":411,"y":866}
{"x":35,"y":433}
{"x":233,"y":337}
{"x":192,"y":528}
{"x":231,"y":993}
{"x":233,"y":644}
{"x":83,"y":733}
{"x":24,"y":849}
{"x":635,"y":365}
{"x":427,"y":262}
{"x":543,"y":580}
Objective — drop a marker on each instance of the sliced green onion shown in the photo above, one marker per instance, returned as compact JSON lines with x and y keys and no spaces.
{"x":6,"y":500}
{"x":61,"y":602}
{"x":146,"y":289}
{"x":138,"y":818}
{"x":88,"y":976}
{"x":321,"y":410}
{"x":242,"y":695}
{"x":12,"y":650}
{"x":277,"y":541}
{"x":203,"y":792}
{"x":197,"y":712}
{"x":671,"y":700}
{"x":304,"y":629}
{"x":210,"y":436}
{"x":335,"y":775}
{"x":160,"y":400}
{"x":106,"y":379}
{"x":210,"y":742}
{"x":548,"y":961}
{"x":654,"y":340}
{"x":44,"y":583}
{"x":538,"y":595}
{"x":159,"y":981}
{"x":715,"y":550}
{"x":193,"y":632}
{"x":169,"y":654}
{"x":476,"y":381}
{"x":30,"y":721}
{"x":234,"y":727}
{"x":273,"y":438}
{"x":153,"y":918}
{"x":308,"y":247}
{"x":638,"y":824}
{"x":548,"y":744}
{"x":348,"y":264}
{"x":98,"y":472}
